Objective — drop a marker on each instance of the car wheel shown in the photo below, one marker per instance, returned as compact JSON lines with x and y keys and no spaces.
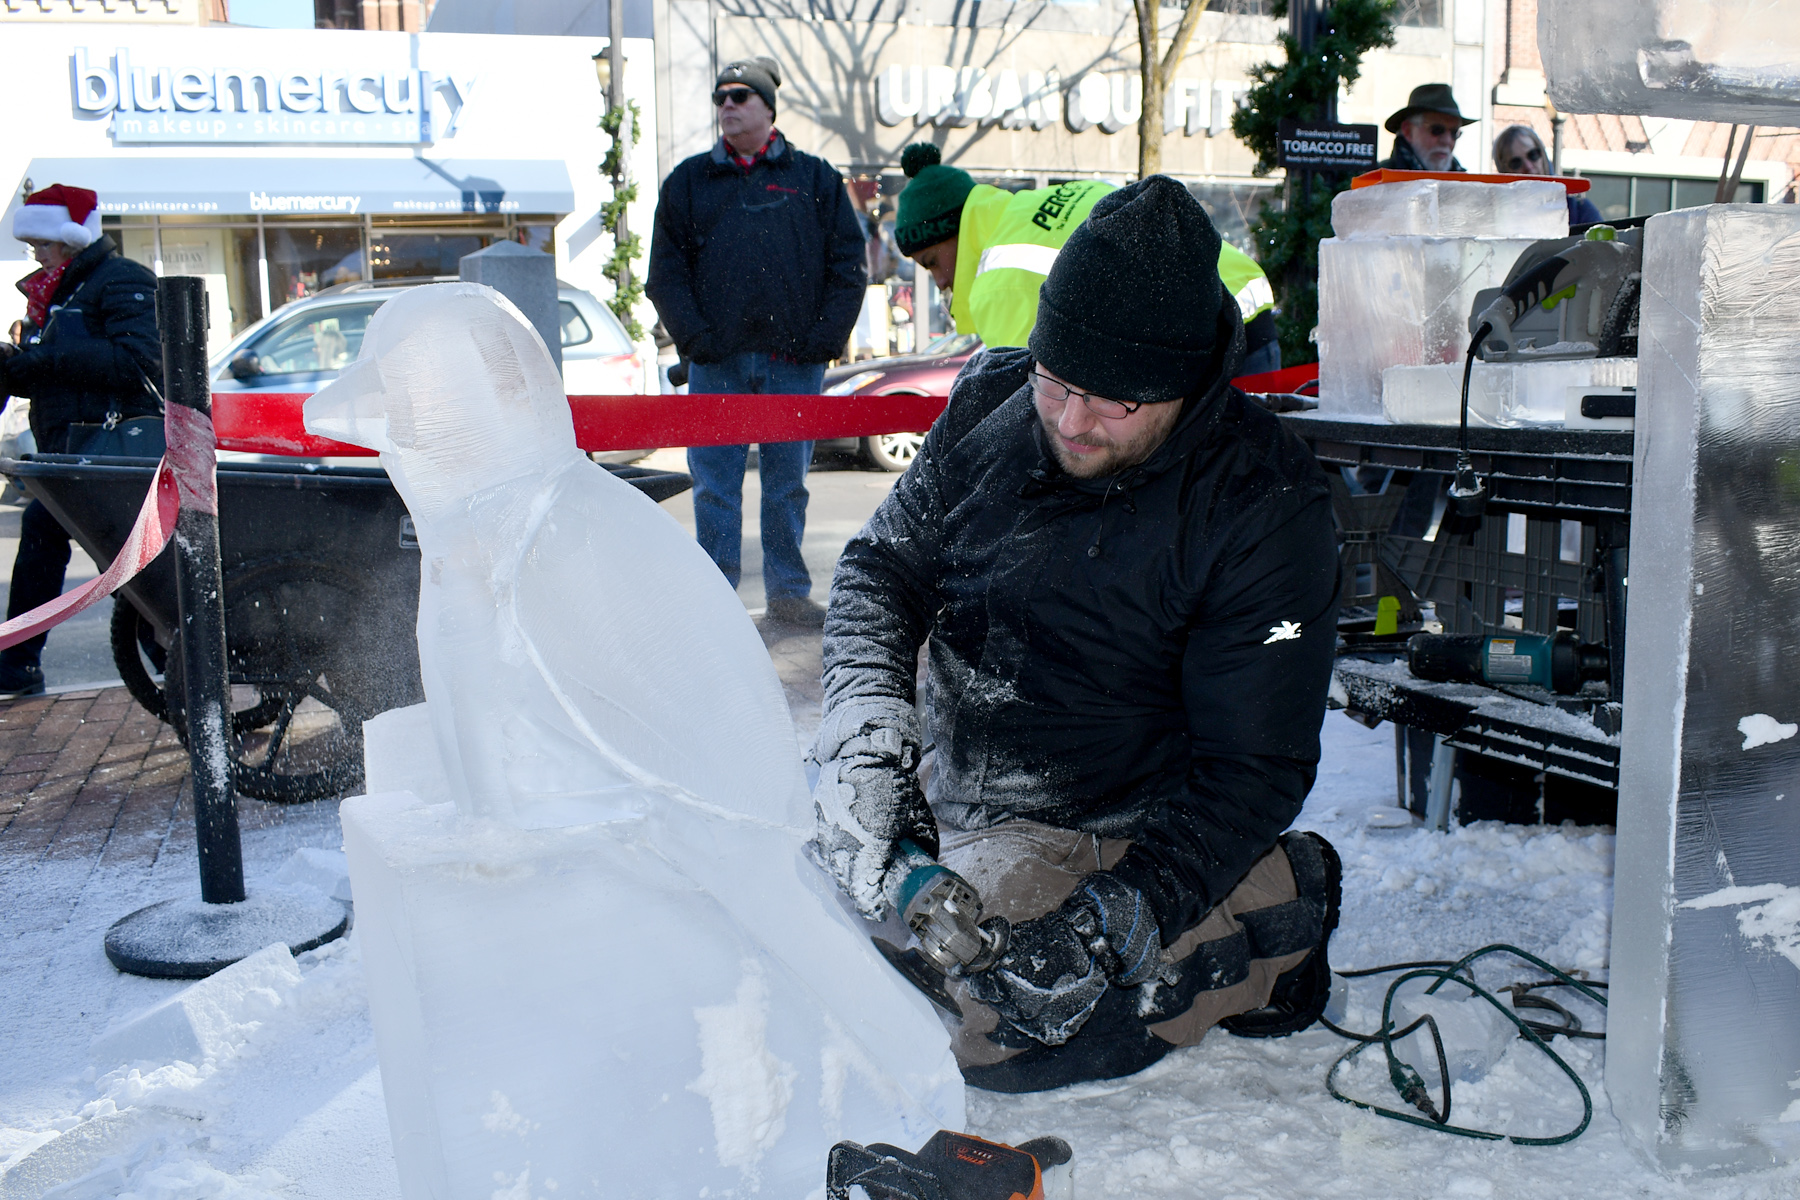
{"x":892,"y":451}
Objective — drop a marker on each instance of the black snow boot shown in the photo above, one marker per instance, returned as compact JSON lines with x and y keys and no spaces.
{"x":20,"y":679}
{"x":1301,"y":992}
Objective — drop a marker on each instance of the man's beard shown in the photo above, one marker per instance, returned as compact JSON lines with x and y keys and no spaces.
{"x":1439,"y":160}
{"x":1117,"y":455}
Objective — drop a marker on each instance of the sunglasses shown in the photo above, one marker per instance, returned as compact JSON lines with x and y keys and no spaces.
{"x":737,"y":95}
{"x":1436,"y":130}
{"x":1519,"y":160}
{"x":1053,"y":392}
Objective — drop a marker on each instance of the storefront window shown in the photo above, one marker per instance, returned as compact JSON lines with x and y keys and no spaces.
{"x":409,"y":255}
{"x":227,"y":258}
{"x":306,"y":255}
{"x":1621,"y":196}
{"x":306,"y":259}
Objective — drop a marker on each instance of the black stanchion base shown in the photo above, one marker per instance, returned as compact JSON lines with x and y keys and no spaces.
{"x":191,"y":939}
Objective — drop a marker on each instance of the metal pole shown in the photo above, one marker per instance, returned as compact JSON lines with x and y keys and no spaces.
{"x":182,"y":317}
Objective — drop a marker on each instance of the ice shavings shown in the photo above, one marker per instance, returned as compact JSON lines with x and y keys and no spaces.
{"x":748,"y":1088}
{"x":1760,"y":729}
{"x":1771,"y":916}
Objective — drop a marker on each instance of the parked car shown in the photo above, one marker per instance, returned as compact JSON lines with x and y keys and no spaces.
{"x":301,"y":346}
{"x":928,"y":373}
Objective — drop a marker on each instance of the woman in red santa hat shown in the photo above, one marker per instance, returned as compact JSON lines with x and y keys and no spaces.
{"x":90,"y":350}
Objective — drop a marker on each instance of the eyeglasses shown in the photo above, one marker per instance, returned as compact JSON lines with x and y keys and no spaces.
{"x":1053,"y":391}
{"x":737,"y":95}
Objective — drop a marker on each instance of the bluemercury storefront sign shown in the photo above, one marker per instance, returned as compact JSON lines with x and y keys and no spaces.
{"x":1011,"y":99}
{"x":291,"y":103}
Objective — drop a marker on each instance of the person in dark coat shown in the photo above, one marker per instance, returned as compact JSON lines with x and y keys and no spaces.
{"x":1425,"y":131}
{"x":757,"y":271}
{"x":90,"y":353}
{"x":1127,"y":576}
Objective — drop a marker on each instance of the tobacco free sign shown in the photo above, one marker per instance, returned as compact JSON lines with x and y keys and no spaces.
{"x":1319,"y":146}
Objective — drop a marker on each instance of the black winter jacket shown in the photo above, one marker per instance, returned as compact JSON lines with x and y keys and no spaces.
{"x":1143,"y":656}
{"x":769,"y":259}
{"x":95,"y":350}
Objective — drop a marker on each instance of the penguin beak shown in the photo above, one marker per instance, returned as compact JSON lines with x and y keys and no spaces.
{"x":351,"y":408}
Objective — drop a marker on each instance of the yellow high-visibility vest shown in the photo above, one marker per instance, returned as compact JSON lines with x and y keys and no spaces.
{"x":1007,"y":242}
{"x":1004,"y":248}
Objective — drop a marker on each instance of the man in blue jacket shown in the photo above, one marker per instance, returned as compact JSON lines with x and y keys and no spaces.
{"x":757,"y":271}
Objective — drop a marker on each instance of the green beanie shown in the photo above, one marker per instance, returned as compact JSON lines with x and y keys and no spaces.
{"x":931,"y":205}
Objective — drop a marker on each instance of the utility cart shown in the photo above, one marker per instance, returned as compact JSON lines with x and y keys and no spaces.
{"x":321,"y":572}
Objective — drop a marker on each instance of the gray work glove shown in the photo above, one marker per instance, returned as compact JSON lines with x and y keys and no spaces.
{"x":1057,"y":967}
{"x":868,"y":796}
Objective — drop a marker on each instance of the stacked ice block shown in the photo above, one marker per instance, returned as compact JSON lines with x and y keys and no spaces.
{"x":598,"y":961}
{"x":1703,"y":1038}
{"x":1397,"y":281}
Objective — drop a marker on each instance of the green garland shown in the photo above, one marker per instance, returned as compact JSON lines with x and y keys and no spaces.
{"x":627,"y":291}
{"x":1287,"y":235}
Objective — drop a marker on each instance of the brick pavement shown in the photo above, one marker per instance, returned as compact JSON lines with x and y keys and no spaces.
{"x":92,"y":775}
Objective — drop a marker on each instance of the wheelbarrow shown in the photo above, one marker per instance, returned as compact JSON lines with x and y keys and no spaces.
{"x":321,"y":573}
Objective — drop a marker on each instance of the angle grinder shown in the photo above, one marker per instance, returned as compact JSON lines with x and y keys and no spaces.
{"x":1559,"y":662}
{"x":944,"y":912}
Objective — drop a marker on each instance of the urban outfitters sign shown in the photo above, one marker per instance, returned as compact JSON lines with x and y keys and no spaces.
{"x":1011,"y":99}
{"x":159,"y":103}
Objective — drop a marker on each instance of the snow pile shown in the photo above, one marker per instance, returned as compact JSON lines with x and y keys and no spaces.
{"x":297,"y":1111}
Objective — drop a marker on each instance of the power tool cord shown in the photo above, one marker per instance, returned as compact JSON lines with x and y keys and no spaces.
{"x":1467,"y":494}
{"x":1411,"y":1086}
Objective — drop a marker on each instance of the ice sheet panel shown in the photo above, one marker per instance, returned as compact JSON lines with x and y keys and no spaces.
{"x":590,"y":1005}
{"x":1501,"y":395}
{"x":1708,"y":60}
{"x":1398,"y":301}
{"x":1444,"y":208}
{"x":578,"y":648}
{"x":1703,"y":1042}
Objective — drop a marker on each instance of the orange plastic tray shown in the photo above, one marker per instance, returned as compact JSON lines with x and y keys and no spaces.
{"x":1389,"y":175}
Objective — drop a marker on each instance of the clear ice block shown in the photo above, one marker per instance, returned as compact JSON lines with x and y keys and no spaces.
{"x":1398,"y":301}
{"x":1735,"y":61}
{"x":600,"y":964}
{"x":1447,"y":208}
{"x":1501,"y":395}
{"x":1703,"y":1030}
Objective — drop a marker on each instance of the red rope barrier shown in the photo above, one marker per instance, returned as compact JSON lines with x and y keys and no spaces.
{"x":270,"y":423}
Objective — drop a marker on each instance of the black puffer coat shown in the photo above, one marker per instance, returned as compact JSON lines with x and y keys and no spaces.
{"x":94,"y":352}
{"x":767,"y":260}
{"x":1142,"y":656}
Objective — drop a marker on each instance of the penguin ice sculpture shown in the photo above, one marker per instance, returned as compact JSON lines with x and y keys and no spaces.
{"x":580,"y":653}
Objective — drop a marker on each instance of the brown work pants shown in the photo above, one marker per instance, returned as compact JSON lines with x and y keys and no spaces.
{"x":1024,"y":870}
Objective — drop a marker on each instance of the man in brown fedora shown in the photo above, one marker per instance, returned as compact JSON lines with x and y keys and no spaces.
{"x":1426,"y":131}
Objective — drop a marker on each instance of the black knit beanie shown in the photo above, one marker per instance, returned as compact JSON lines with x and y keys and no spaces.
{"x":761,"y":75}
{"x":1130,"y":309}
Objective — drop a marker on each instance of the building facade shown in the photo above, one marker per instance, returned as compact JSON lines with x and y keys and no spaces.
{"x":276,"y":163}
{"x":1018,"y":94}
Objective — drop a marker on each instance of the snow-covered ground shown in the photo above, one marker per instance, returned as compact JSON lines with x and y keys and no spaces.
{"x":286,"y":1100}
